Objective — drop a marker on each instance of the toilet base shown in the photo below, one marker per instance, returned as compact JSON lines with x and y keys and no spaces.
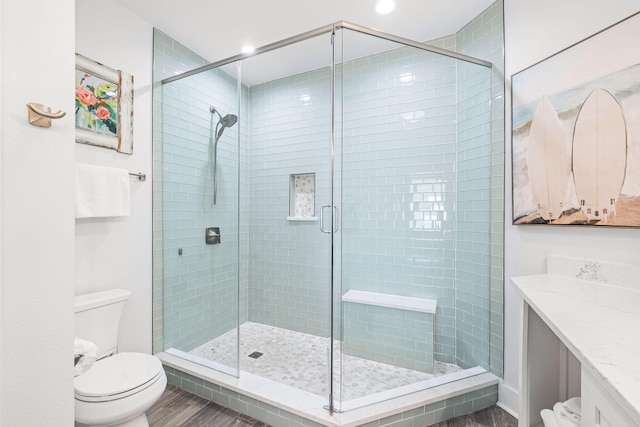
{"x":132,"y":409}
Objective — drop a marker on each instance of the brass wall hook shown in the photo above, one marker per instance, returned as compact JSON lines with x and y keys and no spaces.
{"x":41,"y":115}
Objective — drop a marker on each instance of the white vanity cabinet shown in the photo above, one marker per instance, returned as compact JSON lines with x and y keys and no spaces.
{"x":599,"y":409}
{"x":580,"y":337}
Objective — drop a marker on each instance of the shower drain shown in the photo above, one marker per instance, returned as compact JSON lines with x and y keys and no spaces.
{"x":255,"y":355}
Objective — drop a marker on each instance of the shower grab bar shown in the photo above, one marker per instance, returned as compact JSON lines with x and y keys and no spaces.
{"x":334,"y":218}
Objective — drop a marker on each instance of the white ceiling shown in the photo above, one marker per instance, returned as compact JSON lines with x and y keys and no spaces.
{"x":217,"y":29}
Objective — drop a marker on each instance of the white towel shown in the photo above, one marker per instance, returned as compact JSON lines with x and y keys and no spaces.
{"x":563,"y":419}
{"x":85,"y":353}
{"x":101,"y":191}
{"x":572,"y":408}
{"x":548,"y":418}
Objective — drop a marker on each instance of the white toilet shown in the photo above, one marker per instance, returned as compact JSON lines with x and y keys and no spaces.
{"x":120,"y":387}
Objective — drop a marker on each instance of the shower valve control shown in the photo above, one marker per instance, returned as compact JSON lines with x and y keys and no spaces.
{"x":212,"y":236}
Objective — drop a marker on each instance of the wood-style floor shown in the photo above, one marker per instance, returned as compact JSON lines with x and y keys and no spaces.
{"x":490,"y":417}
{"x":177,"y":407}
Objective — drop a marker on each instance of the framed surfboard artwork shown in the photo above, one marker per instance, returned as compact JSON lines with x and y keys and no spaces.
{"x":575,"y":140}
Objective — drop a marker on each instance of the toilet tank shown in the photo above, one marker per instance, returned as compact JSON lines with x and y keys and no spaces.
{"x":97,"y":318}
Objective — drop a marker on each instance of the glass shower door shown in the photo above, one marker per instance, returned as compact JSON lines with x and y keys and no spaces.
{"x":413,"y":291}
{"x":287,"y":206}
{"x":199,"y":168}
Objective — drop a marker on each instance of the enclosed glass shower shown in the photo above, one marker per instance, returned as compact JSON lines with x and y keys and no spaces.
{"x":325,"y":221}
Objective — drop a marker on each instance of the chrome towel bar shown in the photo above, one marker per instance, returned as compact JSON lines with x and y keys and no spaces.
{"x":141,"y":176}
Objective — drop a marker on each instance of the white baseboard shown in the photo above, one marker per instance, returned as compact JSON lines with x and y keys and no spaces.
{"x":508,"y":399}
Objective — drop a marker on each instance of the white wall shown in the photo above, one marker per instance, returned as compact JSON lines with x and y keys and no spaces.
{"x":37,"y":196}
{"x":116,"y":252}
{"x":534,"y":31}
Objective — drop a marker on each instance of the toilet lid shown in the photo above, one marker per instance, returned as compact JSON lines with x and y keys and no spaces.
{"x":117,"y":374}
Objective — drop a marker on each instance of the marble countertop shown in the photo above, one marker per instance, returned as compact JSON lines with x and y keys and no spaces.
{"x":599,"y":323}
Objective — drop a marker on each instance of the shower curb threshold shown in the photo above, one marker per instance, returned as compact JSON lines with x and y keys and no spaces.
{"x":310,"y":406}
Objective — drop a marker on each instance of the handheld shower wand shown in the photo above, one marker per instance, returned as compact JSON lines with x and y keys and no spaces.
{"x":224,"y":122}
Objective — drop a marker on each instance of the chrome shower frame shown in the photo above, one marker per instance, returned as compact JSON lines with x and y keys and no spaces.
{"x":331,"y":28}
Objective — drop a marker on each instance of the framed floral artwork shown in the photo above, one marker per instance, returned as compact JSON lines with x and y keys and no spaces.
{"x":104,"y":106}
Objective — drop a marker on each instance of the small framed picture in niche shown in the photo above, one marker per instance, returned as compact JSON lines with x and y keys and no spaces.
{"x":104,"y":106}
{"x":302,"y":194}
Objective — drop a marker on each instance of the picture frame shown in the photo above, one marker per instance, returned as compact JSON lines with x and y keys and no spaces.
{"x":104,"y":106}
{"x":576,"y":133}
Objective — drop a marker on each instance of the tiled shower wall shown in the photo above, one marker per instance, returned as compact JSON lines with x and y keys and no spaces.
{"x":480,"y":291}
{"x":289,"y":260}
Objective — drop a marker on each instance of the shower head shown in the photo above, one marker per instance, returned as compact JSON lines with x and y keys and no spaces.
{"x":229,"y":120}
{"x":226,"y":121}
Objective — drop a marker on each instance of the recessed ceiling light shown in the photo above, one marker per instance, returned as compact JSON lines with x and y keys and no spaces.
{"x":384,"y":7}
{"x":248,"y":49}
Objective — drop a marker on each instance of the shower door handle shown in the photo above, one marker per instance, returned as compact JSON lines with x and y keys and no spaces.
{"x":334,"y":213}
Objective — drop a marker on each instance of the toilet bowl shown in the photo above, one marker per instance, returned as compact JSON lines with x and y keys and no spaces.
{"x":118,"y":390}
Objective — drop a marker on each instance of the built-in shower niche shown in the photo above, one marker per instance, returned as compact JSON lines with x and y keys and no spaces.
{"x":302,"y":195}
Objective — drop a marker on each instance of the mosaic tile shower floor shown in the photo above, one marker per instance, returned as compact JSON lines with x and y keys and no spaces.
{"x":300,"y":360}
